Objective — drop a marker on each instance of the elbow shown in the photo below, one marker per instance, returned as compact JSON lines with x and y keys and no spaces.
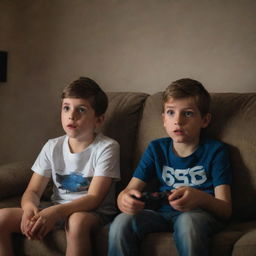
{"x":95,"y":201}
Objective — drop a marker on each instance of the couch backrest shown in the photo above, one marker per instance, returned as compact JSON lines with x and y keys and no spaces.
{"x":121,"y":123}
{"x":234,"y":122}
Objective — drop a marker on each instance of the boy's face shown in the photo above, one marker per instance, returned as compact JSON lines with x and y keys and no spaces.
{"x":78,"y":118}
{"x":183,"y":121}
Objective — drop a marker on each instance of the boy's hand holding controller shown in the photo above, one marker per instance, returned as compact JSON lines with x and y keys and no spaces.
{"x":153,"y":200}
{"x":186,"y":198}
{"x":182,"y":199}
{"x":148,"y":197}
{"x":128,"y":203}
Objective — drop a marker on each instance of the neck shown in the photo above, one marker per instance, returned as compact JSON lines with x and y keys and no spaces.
{"x":184,"y":150}
{"x":77,"y":146}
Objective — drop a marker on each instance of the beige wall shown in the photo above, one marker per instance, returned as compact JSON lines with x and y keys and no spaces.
{"x":125,"y":45}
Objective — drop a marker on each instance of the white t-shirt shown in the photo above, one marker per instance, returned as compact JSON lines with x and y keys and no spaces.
{"x":73,"y":172}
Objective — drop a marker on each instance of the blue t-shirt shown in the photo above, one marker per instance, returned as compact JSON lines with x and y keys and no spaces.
{"x":204,"y":169}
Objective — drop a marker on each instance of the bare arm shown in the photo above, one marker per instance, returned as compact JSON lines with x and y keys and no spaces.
{"x":30,"y":202}
{"x":34,"y":191}
{"x":221,"y":204}
{"x":190,"y":198}
{"x":125,"y":202}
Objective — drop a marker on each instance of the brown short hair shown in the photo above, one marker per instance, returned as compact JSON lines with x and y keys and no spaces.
{"x":86,"y":88}
{"x":185,"y":88}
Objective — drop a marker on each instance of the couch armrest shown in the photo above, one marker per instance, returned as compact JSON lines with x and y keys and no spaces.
{"x":14,"y":178}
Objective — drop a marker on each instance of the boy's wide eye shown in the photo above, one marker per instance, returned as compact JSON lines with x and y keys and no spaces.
{"x":170,"y":112}
{"x":81,"y":110}
{"x":188,"y":113}
{"x":65,"y":108}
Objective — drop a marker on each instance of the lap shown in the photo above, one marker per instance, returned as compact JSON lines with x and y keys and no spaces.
{"x":91,"y":217}
{"x":147,"y":221}
{"x":198,"y":219}
{"x":87,"y":220}
{"x":151,"y":221}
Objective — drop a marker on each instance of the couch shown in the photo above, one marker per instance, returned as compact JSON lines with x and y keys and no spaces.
{"x":134,"y":119}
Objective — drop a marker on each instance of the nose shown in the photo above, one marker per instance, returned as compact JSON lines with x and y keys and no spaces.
{"x":178,"y":119}
{"x":72,"y":115}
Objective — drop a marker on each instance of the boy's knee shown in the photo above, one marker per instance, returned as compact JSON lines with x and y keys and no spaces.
{"x":191,"y":232}
{"x":121,"y":220}
{"x":193,"y":222}
{"x":121,"y":224}
{"x":185,"y":220}
{"x":81,"y":222}
{"x":5,"y":219}
{"x":2,"y":218}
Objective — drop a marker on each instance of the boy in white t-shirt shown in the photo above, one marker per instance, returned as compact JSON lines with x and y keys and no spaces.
{"x":83,"y":166}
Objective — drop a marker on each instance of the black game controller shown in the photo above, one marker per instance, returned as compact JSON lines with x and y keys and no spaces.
{"x":153,"y":200}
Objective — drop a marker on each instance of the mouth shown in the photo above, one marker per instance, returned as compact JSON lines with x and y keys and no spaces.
{"x":179,"y":132}
{"x":71,"y":126}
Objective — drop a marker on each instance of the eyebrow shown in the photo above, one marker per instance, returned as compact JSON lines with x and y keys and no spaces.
{"x":82,"y":105}
{"x":187,"y":107}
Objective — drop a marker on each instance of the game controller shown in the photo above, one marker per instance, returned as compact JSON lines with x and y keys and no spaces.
{"x":153,"y":200}
{"x":156,"y":196}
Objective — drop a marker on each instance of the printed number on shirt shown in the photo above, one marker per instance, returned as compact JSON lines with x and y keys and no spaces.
{"x":184,"y":177}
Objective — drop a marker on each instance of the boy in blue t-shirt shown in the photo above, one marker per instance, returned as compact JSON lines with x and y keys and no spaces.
{"x":195,"y":171}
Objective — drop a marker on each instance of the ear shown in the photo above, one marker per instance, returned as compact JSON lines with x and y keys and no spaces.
{"x":98,"y":123}
{"x":100,"y":120}
{"x":206,"y":120}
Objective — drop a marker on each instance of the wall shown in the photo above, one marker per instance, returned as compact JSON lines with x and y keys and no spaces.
{"x":124,"y":45}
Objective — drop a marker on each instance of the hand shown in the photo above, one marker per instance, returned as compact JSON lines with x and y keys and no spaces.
{"x":129,"y":204}
{"x":26,"y":221}
{"x":185,"y":198}
{"x":44,"y":221}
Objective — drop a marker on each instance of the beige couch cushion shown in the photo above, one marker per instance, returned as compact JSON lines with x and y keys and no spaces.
{"x":246,"y":245}
{"x":151,"y":125}
{"x":14,"y":178}
{"x":122,"y":120}
{"x":234,"y":122}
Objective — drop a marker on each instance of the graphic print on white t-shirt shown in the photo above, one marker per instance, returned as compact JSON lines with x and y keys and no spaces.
{"x":184,"y":177}
{"x":73,"y":182}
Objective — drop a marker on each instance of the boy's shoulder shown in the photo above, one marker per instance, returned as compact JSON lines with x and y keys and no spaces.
{"x":102,"y":139}
{"x":54,"y":141}
{"x":213,"y":145}
{"x":212,"y":142}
